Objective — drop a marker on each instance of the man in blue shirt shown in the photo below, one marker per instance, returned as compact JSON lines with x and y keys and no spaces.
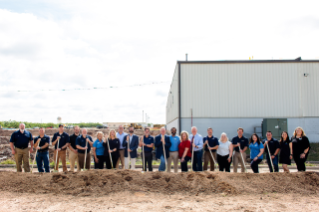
{"x":274,"y":149}
{"x":148,"y":142}
{"x":162,"y":143}
{"x":84,"y":143}
{"x":196,"y":143}
{"x":120,"y":135}
{"x":173,"y":151}
{"x":242,"y":142}
{"x":42,"y":145}
{"x":64,"y":140}
{"x":210,"y":144}
{"x":19,"y":143}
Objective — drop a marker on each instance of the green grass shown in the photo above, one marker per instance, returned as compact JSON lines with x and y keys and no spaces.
{"x":8,"y":161}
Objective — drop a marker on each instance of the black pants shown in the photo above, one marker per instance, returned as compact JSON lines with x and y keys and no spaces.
{"x":114,"y":157}
{"x":223,"y":163}
{"x":148,"y":161}
{"x":254,"y":165}
{"x":300,"y":162}
{"x":184,"y":164}
{"x":100,"y":163}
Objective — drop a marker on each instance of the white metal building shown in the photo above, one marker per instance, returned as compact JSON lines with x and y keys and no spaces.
{"x":226,"y":95}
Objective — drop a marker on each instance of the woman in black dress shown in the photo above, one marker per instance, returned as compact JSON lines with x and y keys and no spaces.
{"x":114,"y":149}
{"x":285,"y":151}
{"x":300,"y":148}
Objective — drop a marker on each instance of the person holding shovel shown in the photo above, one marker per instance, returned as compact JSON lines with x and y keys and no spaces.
{"x":73,"y":152}
{"x":184,"y":151}
{"x":272,"y":153}
{"x":83,"y":144}
{"x":240,"y":144}
{"x":111,"y":150}
{"x":130,"y":143}
{"x":19,"y":143}
{"x":256,"y":152}
{"x":300,"y":148}
{"x":60,"y":151}
{"x":98,"y":151}
{"x":148,"y":143}
{"x":42,"y":145}
{"x":162,"y":144}
{"x":210,"y":144}
{"x":197,"y":148}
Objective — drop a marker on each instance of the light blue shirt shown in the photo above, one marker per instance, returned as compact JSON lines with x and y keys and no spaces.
{"x":99,"y":147}
{"x":121,"y":138}
{"x":175,"y":142}
{"x":198,"y":140}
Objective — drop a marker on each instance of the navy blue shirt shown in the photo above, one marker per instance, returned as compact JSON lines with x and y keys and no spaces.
{"x":212,"y":142}
{"x":45,"y":139}
{"x":82,"y":141}
{"x":243,"y":142}
{"x":21,"y":140}
{"x":273,"y":146}
{"x":72,"y":140}
{"x":64,"y":139}
{"x":147,"y":141}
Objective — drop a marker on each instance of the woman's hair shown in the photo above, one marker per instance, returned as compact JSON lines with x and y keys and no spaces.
{"x":186,"y":133}
{"x":99,"y":133}
{"x":302,"y":132}
{"x":222,"y":135}
{"x":281,"y":138}
{"x":114,"y":133}
{"x":251,"y":138}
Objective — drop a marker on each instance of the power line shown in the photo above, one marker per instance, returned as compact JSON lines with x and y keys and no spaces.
{"x":92,"y":88}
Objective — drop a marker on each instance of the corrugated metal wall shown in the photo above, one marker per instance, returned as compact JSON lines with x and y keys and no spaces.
{"x":248,"y":90}
{"x":172,"y":99}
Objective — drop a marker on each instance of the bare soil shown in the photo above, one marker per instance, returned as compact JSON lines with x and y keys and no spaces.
{"x":126,"y":190}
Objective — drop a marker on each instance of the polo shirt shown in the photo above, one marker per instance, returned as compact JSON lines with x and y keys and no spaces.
{"x":99,"y":147}
{"x":255,"y":150}
{"x":175,"y":142}
{"x":73,"y":139}
{"x":198,"y":140}
{"x":121,"y":138}
{"x":45,"y":139}
{"x":212,"y":142}
{"x":64,"y":139}
{"x":148,"y":140}
{"x":273,"y":146}
{"x":243,"y":142}
{"x":81,"y":141}
{"x":21,"y":140}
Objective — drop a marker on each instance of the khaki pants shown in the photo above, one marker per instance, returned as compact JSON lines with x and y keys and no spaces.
{"x":173,"y":156}
{"x":208,"y":158}
{"x":72,"y":158}
{"x":81,"y":158}
{"x":62,"y":156}
{"x":133,"y":160}
{"x":236,"y":158}
{"x":121,"y":158}
{"x":22,"y":155}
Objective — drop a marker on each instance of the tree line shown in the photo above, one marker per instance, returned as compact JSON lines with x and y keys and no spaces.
{"x":15,"y":124}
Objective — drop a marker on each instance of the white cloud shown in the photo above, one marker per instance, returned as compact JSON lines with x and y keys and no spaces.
{"x":80,"y":44}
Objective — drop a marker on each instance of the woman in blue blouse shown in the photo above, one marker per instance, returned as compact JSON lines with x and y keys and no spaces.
{"x":256,"y":152}
{"x":98,"y":151}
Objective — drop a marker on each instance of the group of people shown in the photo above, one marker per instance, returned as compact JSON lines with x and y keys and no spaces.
{"x":110,"y":150}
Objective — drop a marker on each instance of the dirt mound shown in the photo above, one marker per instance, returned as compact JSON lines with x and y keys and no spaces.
{"x":106,"y":182}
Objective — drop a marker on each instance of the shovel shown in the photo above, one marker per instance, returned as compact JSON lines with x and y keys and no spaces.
{"x":56,"y":166}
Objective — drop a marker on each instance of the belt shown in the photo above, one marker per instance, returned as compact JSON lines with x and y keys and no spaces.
{"x":43,"y":150}
{"x":173,"y":151}
{"x":21,"y":147}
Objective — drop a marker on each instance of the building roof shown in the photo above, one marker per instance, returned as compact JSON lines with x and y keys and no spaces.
{"x":297,"y":60}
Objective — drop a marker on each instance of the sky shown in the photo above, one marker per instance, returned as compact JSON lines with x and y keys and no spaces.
{"x":53,"y":53}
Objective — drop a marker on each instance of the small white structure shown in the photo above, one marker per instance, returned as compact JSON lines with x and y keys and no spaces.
{"x":59,"y":119}
{"x":226,"y":95}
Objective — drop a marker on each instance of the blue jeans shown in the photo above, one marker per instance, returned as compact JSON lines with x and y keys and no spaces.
{"x":197,"y":163}
{"x":275,"y":162}
{"x":43,"y":157}
{"x":161,"y":167}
